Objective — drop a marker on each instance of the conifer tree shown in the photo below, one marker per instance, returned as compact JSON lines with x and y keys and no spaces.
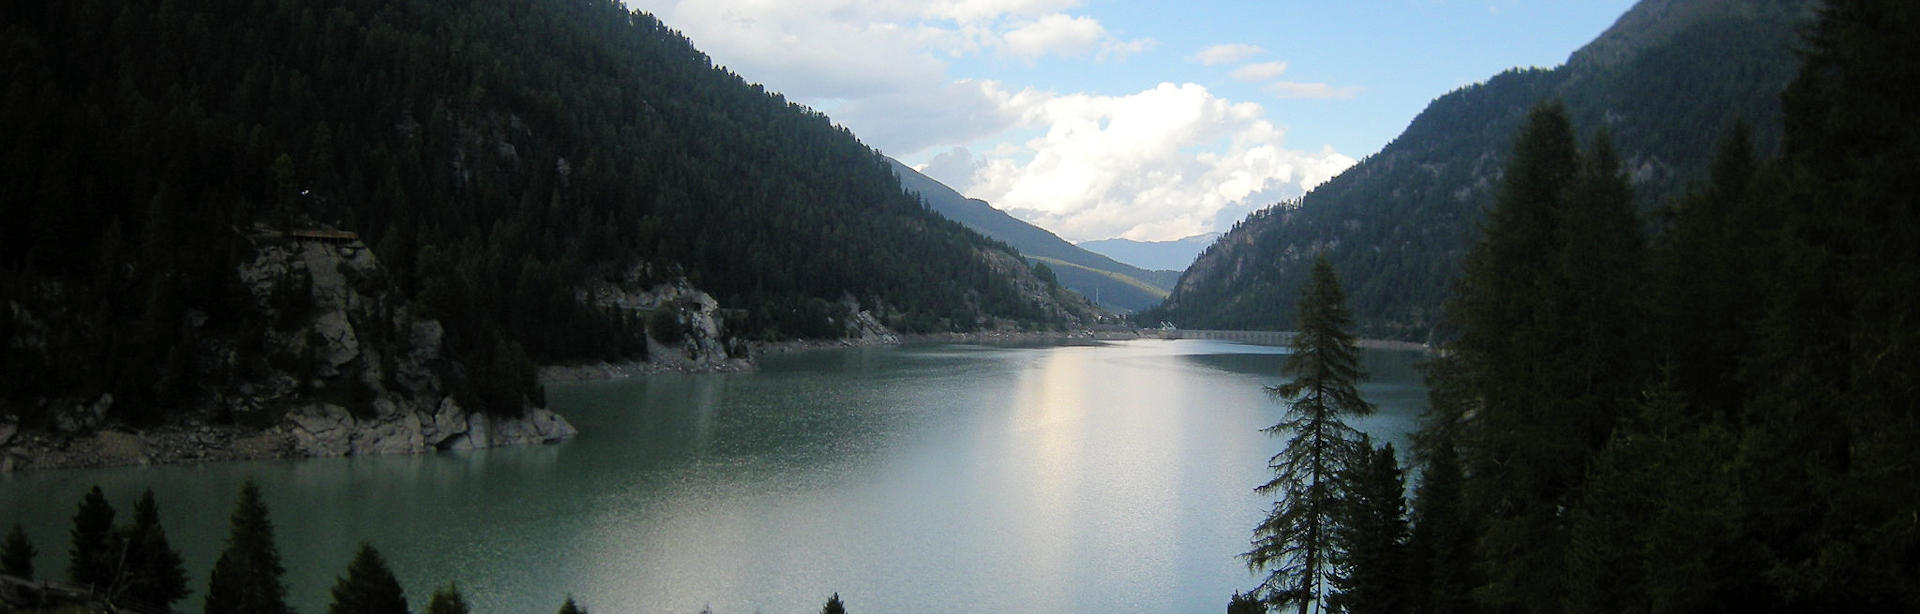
{"x":834,"y":606}
{"x":1546,"y":356}
{"x":447,"y":600}
{"x":1295,"y":543}
{"x":571,"y":608}
{"x":16,"y":555}
{"x":153,"y":572}
{"x":95,"y":554}
{"x":1833,"y":415}
{"x":246,"y":578}
{"x":1372,"y":536}
{"x":369,"y":586}
{"x":1440,"y":549}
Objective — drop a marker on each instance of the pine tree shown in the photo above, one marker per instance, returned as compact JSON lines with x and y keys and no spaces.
{"x":1440,"y":549}
{"x":834,"y":606}
{"x":447,"y":600}
{"x":153,"y":573}
{"x":1372,"y":536}
{"x":1547,"y":353}
{"x":369,"y":586}
{"x":1833,"y":415}
{"x":16,"y":555}
{"x":1296,"y":540}
{"x":94,"y":557}
{"x":1659,"y":513}
{"x":571,"y":608}
{"x":246,"y":578}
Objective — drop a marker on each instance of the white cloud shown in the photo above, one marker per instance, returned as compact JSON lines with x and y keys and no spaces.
{"x":1225,"y":54}
{"x":1259,"y":72}
{"x":953,"y":167}
{"x":907,"y":121}
{"x":1289,"y":89}
{"x":1159,"y":164}
{"x":1056,"y":34}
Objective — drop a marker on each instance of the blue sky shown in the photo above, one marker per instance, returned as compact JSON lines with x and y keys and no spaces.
{"x":1149,"y":120}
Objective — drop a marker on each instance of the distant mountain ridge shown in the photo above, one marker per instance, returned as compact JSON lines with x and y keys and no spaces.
{"x":1172,"y":255}
{"x":1113,"y":284}
{"x":1665,"y":82}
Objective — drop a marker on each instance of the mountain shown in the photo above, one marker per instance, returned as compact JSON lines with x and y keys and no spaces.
{"x":1665,"y":82}
{"x":1112,"y":284}
{"x":1172,"y":255}
{"x":519,"y":168}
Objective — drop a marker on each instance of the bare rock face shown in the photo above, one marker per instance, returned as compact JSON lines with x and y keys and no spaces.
{"x":702,"y":344}
{"x":367,"y":375}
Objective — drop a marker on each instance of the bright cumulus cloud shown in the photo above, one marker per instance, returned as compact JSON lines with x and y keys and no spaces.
{"x":1169,"y":161}
{"x":1163,"y":163}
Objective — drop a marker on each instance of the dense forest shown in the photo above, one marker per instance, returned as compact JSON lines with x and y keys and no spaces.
{"x":1719,"y":415}
{"x":1398,"y":223}
{"x":498,"y":156}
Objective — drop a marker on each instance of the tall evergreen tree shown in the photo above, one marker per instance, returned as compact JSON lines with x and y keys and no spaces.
{"x":153,"y":573}
{"x":1710,"y":267}
{"x":246,"y":578}
{"x":571,"y":608}
{"x":1372,"y":536}
{"x":94,"y":557}
{"x":1833,"y":418}
{"x":1546,"y":355}
{"x":1440,"y":549}
{"x":369,"y":587}
{"x":1295,"y":543}
{"x":1656,"y":527}
{"x":16,"y":555}
{"x":447,"y":600}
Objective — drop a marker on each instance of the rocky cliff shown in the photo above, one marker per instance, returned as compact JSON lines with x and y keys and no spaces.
{"x":346,"y":367}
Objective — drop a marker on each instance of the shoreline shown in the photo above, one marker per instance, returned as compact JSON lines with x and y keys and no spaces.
{"x":194,"y":442}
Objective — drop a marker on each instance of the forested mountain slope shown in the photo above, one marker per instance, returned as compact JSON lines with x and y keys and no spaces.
{"x":1117,"y":285}
{"x":1665,"y":82}
{"x":499,"y":156}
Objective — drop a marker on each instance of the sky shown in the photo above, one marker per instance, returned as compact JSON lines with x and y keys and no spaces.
{"x":1142,"y":119}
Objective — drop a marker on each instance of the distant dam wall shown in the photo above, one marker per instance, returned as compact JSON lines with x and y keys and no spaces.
{"x":1256,"y":337}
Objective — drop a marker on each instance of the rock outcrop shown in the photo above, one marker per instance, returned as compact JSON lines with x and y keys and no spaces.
{"x":348,"y":367}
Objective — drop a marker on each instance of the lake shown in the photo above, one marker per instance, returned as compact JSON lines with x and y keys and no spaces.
{"x":920,"y":478}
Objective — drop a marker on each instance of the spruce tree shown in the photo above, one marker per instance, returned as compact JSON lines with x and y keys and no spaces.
{"x":369,"y":587}
{"x":571,"y":608}
{"x":1833,"y":415}
{"x":16,"y":555}
{"x":834,"y":606}
{"x":94,"y":557}
{"x":1295,"y":543}
{"x":1546,"y":354}
{"x":246,"y":578}
{"x":1372,"y":536}
{"x":1440,"y":549}
{"x":447,"y":600}
{"x":153,"y":573}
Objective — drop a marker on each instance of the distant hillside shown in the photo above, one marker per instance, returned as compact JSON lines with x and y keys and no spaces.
{"x":1665,"y":83}
{"x":507,"y":161}
{"x":1172,"y":255}
{"x":1116,"y":285}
